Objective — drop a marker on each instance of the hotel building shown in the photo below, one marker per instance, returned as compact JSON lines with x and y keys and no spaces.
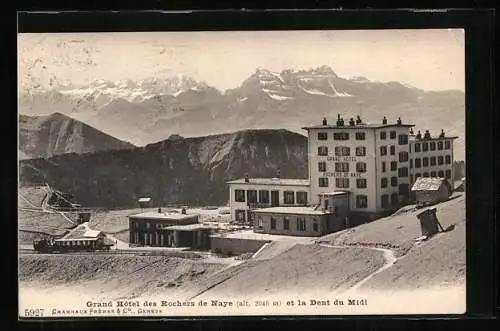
{"x":357,"y":171}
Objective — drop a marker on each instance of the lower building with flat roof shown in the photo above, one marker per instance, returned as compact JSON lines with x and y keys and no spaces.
{"x":330,"y":215}
{"x":146,"y":229}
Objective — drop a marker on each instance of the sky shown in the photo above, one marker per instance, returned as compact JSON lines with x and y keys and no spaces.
{"x":425,"y":58}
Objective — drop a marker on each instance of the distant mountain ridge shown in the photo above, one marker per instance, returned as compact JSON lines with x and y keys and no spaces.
{"x":175,"y":170}
{"x":46,"y":136}
{"x":145,"y":112}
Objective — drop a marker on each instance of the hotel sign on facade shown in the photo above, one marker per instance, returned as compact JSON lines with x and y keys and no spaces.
{"x":342,"y":174}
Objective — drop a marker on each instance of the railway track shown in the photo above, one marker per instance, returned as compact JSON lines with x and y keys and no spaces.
{"x":24,"y":251}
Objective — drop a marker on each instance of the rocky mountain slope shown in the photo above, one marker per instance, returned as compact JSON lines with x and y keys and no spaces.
{"x":176,"y":170}
{"x":45,"y":136}
{"x":147,"y":112}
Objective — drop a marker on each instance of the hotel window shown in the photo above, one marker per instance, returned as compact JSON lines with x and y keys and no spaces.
{"x":403,"y":172}
{"x":301,"y":224}
{"x":403,"y":156}
{"x":441,"y":173}
{"x":417,"y":175}
{"x":342,"y":151}
{"x":393,"y":150}
{"x":323,"y":182}
{"x":418,"y":163}
{"x":260,"y":222}
{"x":361,"y":151}
{"x":341,"y":136}
{"x":425,"y":161}
{"x":383,"y":166}
{"x":392,"y":134}
{"x":385,"y":200}
{"x":383,"y":150}
{"x":239,"y":195}
{"x":361,"y":183}
{"x":341,"y":166}
{"x":342,"y":182}
{"x":447,"y":144}
{"x":394,"y":165}
{"x":360,"y":136}
{"x":322,"y":136}
{"x":286,"y":223}
{"x":440,"y":145}
{"x":302,"y":198}
{"x":383,"y":182}
{"x":136,"y":225}
{"x":252,"y":196}
{"x":240,"y":215}
{"x":322,"y":151}
{"x":425,"y":147}
{"x":361,"y":201}
{"x":322,"y":166}
{"x":417,"y":147}
{"x":264,"y":196}
{"x":440,"y":159}
{"x":411,"y":163}
{"x":315,"y":227}
{"x":361,"y":167}
{"x":403,"y":139}
{"x":394,"y":199}
{"x":289,"y":197}
{"x":411,"y":179}
{"x":432,"y":145}
{"x":409,"y":146}
{"x":447,"y":159}
{"x":426,"y":174}
{"x":148,"y":225}
{"x":448,"y":174}
{"x":433,"y":174}
{"x":383,"y":135}
{"x":433,"y":160}
{"x":273,"y":223}
{"x":394,"y":181}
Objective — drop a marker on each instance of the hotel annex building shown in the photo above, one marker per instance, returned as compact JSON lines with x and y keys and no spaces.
{"x":369,"y":168}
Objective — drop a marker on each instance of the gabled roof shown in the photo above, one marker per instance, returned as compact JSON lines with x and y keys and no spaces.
{"x":92,"y":234}
{"x":428,"y":184}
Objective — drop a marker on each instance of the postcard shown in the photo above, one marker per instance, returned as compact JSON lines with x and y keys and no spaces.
{"x":240,"y":173}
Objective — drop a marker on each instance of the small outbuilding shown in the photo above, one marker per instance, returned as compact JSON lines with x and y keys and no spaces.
{"x":429,"y":190}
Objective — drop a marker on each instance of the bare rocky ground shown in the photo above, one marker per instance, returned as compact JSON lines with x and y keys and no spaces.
{"x":357,"y":256}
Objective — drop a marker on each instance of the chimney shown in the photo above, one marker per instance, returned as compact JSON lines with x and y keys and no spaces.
{"x":411,"y":131}
{"x":399,"y":121}
{"x":384,"y":121}
{"x":341,"y":121}
{"x":358,"y":120}
{"x":442,"y":134}
{"x":159,"y":210}
{"x":324,"y":121}
{"x":338,"y":120}
{"x":351,"y":122}
{"x":278,"y":175}
{"x":427,"y":134}
{"x":247,"y":180}
{"x":419,"y":135}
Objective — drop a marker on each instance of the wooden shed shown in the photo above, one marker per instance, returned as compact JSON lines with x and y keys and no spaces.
{"x":429,"y":190}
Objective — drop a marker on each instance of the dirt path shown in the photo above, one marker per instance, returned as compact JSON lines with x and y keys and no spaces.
{"x":389,"y":258}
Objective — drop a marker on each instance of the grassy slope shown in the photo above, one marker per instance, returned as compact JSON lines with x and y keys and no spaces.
{"x":302,"y":268}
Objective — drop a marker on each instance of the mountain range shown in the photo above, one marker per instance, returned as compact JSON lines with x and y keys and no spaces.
{"x":176,"y":170}
{"x":46,"y":136}
{"x":148,"y":111}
